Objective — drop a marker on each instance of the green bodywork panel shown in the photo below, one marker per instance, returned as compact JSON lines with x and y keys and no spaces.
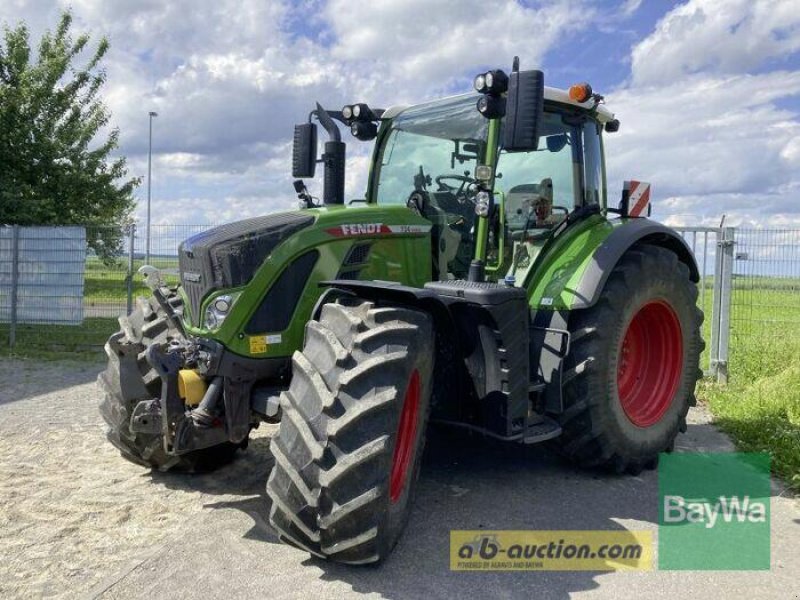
{"x":556,"y":273}
{"x":400,"y":255}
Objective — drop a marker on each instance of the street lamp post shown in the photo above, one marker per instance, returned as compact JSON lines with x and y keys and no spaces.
{"x":149,"y":186}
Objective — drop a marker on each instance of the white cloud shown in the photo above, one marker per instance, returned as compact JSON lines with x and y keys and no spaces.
{"x":718,"y":36}
{"x":230,"y":77}
{"x":425,"y":44}
{"x":706,"y":127}
{"x":629,"y":7}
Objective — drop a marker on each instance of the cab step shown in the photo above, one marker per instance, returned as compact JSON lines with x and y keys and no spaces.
{"x":543,"y":428}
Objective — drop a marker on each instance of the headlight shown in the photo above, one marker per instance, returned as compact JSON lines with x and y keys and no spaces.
{"x":218,"y":309}
{"x":364,"y":131}
{"x":482,"y":202}
{"x":347,"y":112}
{"x":492,"y":82}
{"x":491,"y":107}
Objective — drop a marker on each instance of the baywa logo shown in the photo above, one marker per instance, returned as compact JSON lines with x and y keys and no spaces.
{"x":678,"y":509}
{"x":714,"y":511}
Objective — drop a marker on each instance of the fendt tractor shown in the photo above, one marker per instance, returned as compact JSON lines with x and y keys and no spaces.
{"x":482,"y":283}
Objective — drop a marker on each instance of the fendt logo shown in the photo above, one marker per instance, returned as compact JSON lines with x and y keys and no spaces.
{"x":364,"y":229}
{"x":355,"y":229}
{"x":361,"y":229}
{"x":732,"y":509}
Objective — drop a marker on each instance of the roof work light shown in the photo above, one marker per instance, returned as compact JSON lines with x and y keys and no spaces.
{"x":492,"y":84}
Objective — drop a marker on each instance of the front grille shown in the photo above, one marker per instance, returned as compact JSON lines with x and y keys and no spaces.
{"x":229,"y":255}
{"x":195,"y":289}
{"x":357,"y":255}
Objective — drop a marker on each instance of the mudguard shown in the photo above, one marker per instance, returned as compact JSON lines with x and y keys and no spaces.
{"x":575,"y":269}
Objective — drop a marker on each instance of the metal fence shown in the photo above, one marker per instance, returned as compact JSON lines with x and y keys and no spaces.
{"x":765,"y":300}
{"x":749,"y":290}
{"x":750,"y":294}
{"x":704,"y":242}
{"x":108,"y":283}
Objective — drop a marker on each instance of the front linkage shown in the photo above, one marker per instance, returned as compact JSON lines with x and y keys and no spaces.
{"x":187,"y":428}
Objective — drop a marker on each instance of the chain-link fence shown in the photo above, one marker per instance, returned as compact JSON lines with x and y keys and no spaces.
{"x":704,"y":242}
{"x":765,"y":300}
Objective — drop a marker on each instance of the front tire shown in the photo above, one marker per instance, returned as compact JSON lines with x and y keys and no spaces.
{"x":630,"y":377}
{"x":129,"y":379}
{"x":348,"y":448}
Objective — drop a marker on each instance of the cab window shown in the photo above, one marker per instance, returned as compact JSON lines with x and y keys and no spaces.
{"x":551,"y":174}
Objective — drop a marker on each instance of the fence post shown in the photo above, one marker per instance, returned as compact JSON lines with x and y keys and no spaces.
{"x":12,"y":331}
{"x":129,"y":278}
{"x":716,"y":304}
{"x":728,"y":255}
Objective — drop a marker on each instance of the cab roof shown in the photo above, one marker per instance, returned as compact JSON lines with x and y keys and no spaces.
{"x":551,"y":94}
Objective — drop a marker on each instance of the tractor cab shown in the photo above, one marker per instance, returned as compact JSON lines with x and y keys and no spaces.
{"x":426,"y":157}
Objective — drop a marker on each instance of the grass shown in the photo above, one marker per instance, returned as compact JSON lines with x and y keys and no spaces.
{"x":760,"y":407}
{"x":55,"y":342}
{"x":104,"y":283}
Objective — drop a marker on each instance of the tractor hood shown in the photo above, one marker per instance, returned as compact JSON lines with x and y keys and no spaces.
{"x":229,"y":255}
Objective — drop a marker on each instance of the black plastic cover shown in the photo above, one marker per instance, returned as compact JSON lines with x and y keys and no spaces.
{"x":304,"y":150}
{"x":277,"y":307}
{"x":524,"y":108}
{"x":334,"y":159}
{"x":481,"y":292}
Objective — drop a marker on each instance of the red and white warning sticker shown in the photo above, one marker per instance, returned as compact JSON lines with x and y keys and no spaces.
{"x":366,"y":229}
{"x":638,"y":198}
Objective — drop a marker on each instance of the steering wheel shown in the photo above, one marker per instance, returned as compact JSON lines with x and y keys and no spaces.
{"x":458,"y":192}
{"x":464,"y":179}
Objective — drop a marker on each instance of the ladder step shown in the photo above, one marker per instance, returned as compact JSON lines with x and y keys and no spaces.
{"x":545,"y":429}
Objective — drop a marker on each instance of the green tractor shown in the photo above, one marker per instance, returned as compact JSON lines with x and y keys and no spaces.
{"x":483,"y":283}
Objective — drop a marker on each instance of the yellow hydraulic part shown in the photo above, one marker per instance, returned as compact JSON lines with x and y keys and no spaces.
{"x":191,"y":387}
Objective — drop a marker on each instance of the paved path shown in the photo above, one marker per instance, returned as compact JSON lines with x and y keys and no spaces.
{"x":121,"y":532}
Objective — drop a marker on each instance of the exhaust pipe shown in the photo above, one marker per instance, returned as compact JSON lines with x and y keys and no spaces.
{"x":333,"y":158}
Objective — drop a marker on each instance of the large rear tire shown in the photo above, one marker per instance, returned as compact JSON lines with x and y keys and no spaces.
{"x":348,"y":448}
{"x":129,"y":379}
{"x":630,"y":377}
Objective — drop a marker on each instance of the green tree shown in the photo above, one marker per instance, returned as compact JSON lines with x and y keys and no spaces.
{"x":56,"y":163}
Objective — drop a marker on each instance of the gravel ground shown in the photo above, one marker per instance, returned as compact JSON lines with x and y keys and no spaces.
{"x":76,"y":520}
{"x":72,"y":511}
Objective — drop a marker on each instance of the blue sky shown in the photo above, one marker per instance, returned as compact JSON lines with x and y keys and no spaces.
{"x":708,"y":91}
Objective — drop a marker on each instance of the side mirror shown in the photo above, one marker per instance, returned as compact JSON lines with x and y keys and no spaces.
{"x":524,"y":108}
{"x":304,"y":150}
{"x":556,"y":143}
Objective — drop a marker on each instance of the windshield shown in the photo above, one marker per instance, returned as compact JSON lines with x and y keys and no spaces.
{"x":432,"y":147}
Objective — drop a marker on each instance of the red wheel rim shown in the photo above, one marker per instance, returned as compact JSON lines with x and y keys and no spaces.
{"x":406,"y":438}
{"x":650,"y":363}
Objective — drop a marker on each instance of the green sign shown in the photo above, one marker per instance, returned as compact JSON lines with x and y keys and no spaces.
{"x":714,"y":511}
